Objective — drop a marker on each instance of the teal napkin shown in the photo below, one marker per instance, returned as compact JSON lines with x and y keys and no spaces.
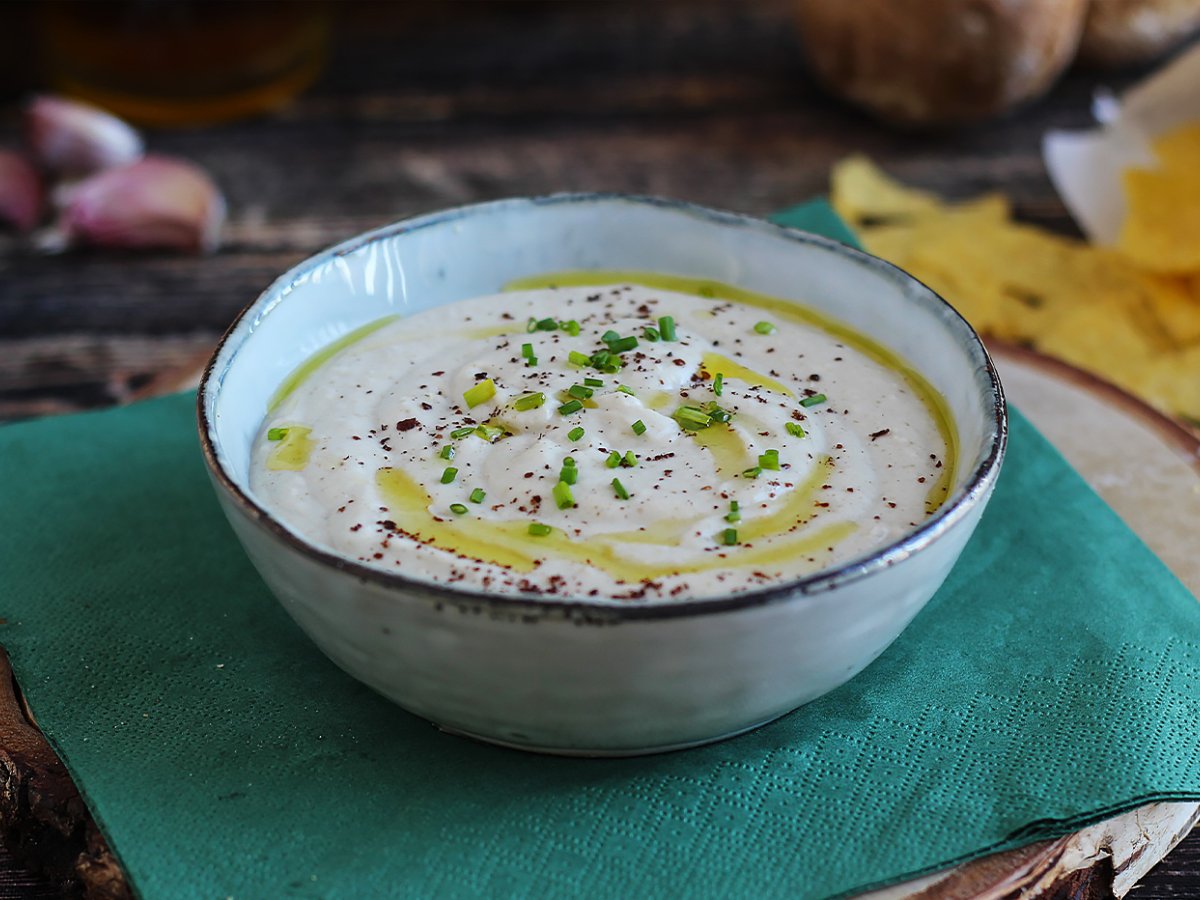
{"x":1054,"y":680}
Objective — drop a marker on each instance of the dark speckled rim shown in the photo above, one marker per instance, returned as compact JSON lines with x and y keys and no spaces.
{"x":976,"y":488}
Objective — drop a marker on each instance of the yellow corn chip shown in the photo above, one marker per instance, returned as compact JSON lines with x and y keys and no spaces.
{"x":1180,"y":148}
{"x":861,"y":192}
{"x":1161,"y":231}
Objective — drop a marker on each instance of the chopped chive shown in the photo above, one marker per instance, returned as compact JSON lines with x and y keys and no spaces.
{"x":480,"y":393}
{"x":579,"y":359}
{"x":527,"y":351}
{"x":562,"y":495}
{"x":650,"y":334}
{"x":769,"y":460}
{"x":490,"y":433}
{"x":614,"y":460}
{"x":813,"y":400}
{"x":579,"y":392}
{"x":692,"y":417}
{"x":717,"y":413}
{"x":753,"y":472}
{"x":477,"y":495}
{"x":639,"y":427}
{"x":575,"y":433}
{"x":629,"y":460}
{"x":570,"y":326}
{"x":666,"y":328}
{"x":571,"y":406}
{"x":765,"y":328}
{"x":449,"y":474}
{"x":718,"y":384}
{"x":619,"y":489}
{"x":569,"y":461}
{"x":460,"y":433}
{"x":730,"y":537}
{"x":447,"y":452}
{"x":276,"y":434}
{"x":600,"y":359}
{"x":537,"y":529}
{"x":626,"y":389}
{"x":734,"y":514}
{"x":593,"y":382}
{"x":795,"y":430}
{"x":569,"y":474}
{"x":529,"y":401}
{"x":531,"y":325}
{"x":530,"y":361}
{"x":547,"y":325}
{"x":623,"y":345}
{"x":457,"y":508}
{"x":609,"y":336}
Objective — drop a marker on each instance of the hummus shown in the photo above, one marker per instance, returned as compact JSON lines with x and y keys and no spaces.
{"x":650,"y":438}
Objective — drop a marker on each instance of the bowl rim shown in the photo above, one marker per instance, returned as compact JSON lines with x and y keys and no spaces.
{"x":976,"y":487}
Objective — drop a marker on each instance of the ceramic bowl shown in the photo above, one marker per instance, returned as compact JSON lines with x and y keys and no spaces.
{"x":598,"y":676}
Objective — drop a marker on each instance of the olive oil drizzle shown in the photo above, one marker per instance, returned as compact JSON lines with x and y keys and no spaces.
{"x":291,"y":453}
{"x":509,"y":544}
{"x":939,"y":410}
{"x":306,"y":369}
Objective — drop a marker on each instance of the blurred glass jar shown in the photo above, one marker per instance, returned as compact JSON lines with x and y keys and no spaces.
{"x":183,"y":62}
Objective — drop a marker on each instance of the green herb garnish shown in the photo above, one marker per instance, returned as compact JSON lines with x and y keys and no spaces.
{"x":813,"y":400}
{"x":570,"y":326}
{"x":639,"y":427}
{"x":769,"y":460}
{"x":734,"y":514}
{"x":276,"y":434}
{"x":594,"y":382}
{"x":547,"y":324}
{"x":730,"y":537}
{"x":571,"y":406}
{"x":650,"y":334}
{"x":765,"y":328}
{"x":614,"y":460}
{"x":460,"y":433}
{"x":619,"y":489}
{"x":575,"y":433}
{"x":579,"y":392}
{"x":477,"y":495}
{"x":457,"y":508}
{"x":666,"y":328}
{"x":629,"y":460}
{"x":753,"y":472}
{"x":562,"y":495}
{"x":490,"y":433}
{"x":622,"y":345}
{"x":449,"y":474}
{"x":692,"y":418}
{"x":537,"y":529}
{"x":579,"y":359}
{"x":795,"y":430}
{"x":480,"y":393}
{"x":718,"y":384}
{"x":447,"y":452}
{"x":529,"y":401}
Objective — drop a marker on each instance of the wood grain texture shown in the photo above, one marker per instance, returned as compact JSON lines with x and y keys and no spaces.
{"x":427,"y":105}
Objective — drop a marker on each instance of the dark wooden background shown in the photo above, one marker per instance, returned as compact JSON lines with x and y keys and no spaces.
{"x":429,"y":105}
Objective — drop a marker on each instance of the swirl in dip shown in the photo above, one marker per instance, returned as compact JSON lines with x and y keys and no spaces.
{"x":646,"y":438}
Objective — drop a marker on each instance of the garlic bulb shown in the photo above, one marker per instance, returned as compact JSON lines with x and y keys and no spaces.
{"x":20,"y":191}
{"x":154,"y":202}
{"x":76,"y":139}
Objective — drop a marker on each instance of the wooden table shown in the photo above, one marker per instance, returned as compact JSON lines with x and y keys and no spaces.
{"x":431,"y":106}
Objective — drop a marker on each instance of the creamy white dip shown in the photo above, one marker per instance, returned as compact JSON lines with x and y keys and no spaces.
{"x":377,"y":454}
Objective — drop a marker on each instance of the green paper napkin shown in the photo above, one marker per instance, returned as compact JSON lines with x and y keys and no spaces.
{"x":1053,"y":680}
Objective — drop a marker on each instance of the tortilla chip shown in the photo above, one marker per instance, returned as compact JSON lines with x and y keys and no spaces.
{"x":1161,"y":231}
{"x":1179,"y":148}
{"x":862,"y":193}
{"x":1089,"y":306}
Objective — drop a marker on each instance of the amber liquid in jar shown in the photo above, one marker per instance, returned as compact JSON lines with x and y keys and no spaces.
{"x":183,"y":62}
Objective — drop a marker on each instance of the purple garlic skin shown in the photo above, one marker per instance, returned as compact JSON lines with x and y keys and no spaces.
{"x":154,"y":202}
{"x":74,"y":139}
{"x":21,"y":193}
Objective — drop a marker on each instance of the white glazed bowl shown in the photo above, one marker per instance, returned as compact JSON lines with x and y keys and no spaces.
{"x":597,"y":676}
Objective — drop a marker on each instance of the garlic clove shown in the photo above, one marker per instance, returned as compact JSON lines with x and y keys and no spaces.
{"x":75,"y":138}
{"x":21,"y":192}
{"x":154,"y":202}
